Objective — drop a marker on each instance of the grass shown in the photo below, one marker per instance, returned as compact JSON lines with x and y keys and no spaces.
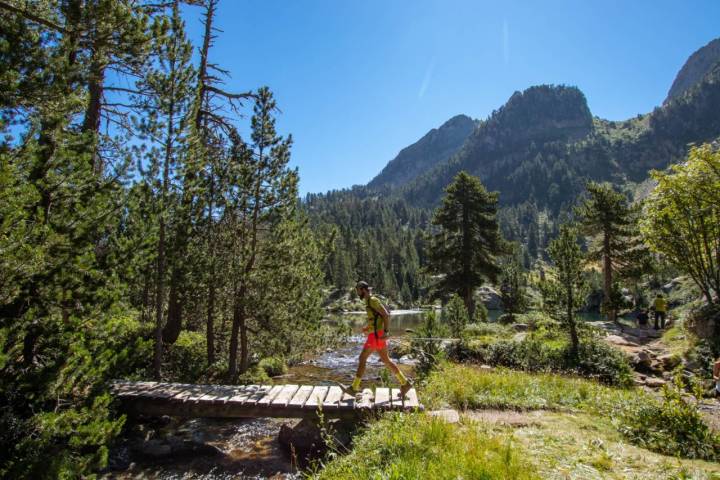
{"x":419,"y":447}
{"x":466,"y":387}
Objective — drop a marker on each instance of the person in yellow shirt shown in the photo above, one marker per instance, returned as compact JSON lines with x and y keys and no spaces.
{"x":377,"y":330}
{"x":660,"y":306}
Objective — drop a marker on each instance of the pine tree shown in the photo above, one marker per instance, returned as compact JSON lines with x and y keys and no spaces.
{"x":564,"y":294}
{"x":512,"y":288}
{"x":607,"y":215}
{"x":466,"y":242}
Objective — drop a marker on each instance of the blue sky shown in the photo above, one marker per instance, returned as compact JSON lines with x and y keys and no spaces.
{"x":359,"y":80}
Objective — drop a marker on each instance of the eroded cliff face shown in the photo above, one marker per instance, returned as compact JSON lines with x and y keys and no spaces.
{"x":695,"y":69}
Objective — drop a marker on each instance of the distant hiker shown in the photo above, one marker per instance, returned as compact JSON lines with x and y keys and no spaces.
{"x":377,"y":330}
{"x":660,"y":306}
{"x":642,"y":317}
{"x":716,"y":376}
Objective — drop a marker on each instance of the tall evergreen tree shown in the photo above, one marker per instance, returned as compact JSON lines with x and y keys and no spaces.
{"x":607,"y":215}
{"x":565,"y":294}
{"x":466,"y":241}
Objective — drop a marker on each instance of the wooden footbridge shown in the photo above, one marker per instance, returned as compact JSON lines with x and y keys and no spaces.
{"x":233,"y":401}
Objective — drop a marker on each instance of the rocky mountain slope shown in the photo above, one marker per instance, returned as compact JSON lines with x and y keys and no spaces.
{"x":696,"y":67}
{"x":435,"y":147}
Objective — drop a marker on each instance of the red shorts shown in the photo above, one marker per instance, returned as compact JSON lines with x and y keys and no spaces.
{"x":375,"y":343}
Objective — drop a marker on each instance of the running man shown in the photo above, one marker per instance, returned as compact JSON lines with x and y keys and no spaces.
{"x":377,"y":330}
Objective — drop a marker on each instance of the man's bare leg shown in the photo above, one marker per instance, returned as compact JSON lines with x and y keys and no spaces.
{"x":355,"y":387}
{"x":405,"y":385}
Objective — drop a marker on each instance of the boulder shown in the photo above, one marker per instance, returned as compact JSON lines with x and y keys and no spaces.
{"x":620,"y":341}
{"x":669,"y":361}
{"x":490,"y":297}
{"x":306,"y":437}
{"x":654,"y":382}
{"x":642,"y":360}
{"x":521,"y":327}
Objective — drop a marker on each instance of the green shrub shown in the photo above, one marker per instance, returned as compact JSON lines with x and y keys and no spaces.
{"x":481,"y":313}
{"x":186,"y":359}
{"x":64,"y":430}
{"x":254,"y":376}
{"x":418,"y":446}
{"x":673,"y":426}
{"x":595,"y":359}
{"x":487,"y":331}
{"x":273,"y":366}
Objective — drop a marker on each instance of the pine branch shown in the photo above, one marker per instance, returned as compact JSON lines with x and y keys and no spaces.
{"x":31,"y":16}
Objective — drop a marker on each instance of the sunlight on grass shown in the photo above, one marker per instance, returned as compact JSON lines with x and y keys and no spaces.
{"x":467,"y":387}
{"x":419,"y":446}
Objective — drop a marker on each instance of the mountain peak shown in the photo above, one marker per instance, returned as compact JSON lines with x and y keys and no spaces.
{"x":543,"y":112}
{"x":695,"y":69}
{"x":433,"y":148}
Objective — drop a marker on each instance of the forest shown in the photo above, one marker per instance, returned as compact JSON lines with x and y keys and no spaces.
{"x":151,"y":228}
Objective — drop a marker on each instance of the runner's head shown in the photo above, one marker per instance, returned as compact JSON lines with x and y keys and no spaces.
{"x":362,"y":288}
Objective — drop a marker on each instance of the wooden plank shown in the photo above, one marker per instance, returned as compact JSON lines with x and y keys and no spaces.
{"x":169,"y":390}
{"x":285,"y":395}
{"x":226,"y":394}
{"x":366,"y":400}
{"x":411,"y":399}
{"x":212,"y":394}
{"x":395,"y":399}
{"x":382,"y":398}
{"x":301,"y":396}
{"x":257,"y":395}
{"x":270,"y":396}
{"x":316,"y":397}
{"x":191,"y":392}
{"x":138,"y":389}
{"x":347,"y":402}
{"x":198,"y":393}
{"x":242,"y":393}
{"x":333,"y":397}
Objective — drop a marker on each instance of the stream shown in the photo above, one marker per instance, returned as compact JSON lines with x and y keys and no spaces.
{"x":249,"y":448}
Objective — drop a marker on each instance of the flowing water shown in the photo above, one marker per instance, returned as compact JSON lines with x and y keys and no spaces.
{"x":249,"y":448}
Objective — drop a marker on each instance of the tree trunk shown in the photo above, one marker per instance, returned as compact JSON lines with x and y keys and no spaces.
{"x":575,"y":342}
{"x":234,"y":333}
{"x":607,"y":277}
{"x":210,"y":330}
{"x":244,"y":350}
{"x":159,"y":303}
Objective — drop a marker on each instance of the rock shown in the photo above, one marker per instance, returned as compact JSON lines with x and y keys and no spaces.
{"x":306,"y":437}
{"x":155,"y":448}
{"x":448,"y":415}
{"x":654,"y":382}
{"x":521,"y":327}
{"x":490,"y":297}
{"x":669,"y":361}
{"x":642,"y":360}
{"x":620,"y":341}
{"x":486,"y":368}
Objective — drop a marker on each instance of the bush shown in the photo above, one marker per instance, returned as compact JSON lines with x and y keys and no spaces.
{"x":273,"y":366}
{"x":253,"y":376}
{"x":673,"y":426}
{"x":595,"y":359}
{"x":186,"y":359}
{"x":487,"y":332}
{"x":64,"y":431}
